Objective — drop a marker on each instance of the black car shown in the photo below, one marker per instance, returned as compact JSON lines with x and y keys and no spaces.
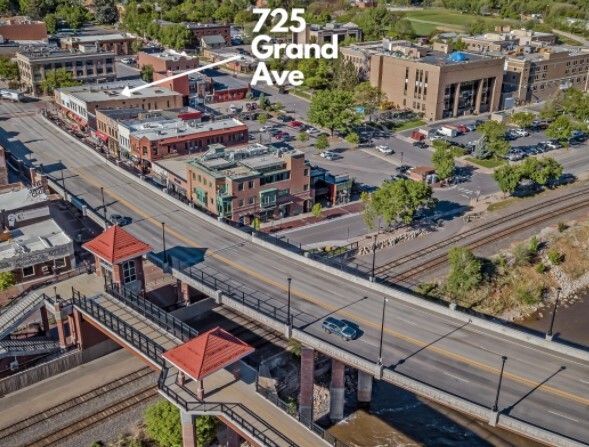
{"x":402,"y":168}
{"x":285,"y":118}
{"x":420,"y":144}
{"x":457,"y":144}
{"x":121,"y":221}
{"x":564,"y":179}
{"x":338,"y":327}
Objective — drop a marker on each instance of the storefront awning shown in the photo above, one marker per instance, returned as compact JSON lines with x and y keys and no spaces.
{"x":102,"y":136}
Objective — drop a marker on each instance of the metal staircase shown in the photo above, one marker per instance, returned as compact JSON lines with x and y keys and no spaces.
{"x":15,"y":314}
{"x":15,"y":348}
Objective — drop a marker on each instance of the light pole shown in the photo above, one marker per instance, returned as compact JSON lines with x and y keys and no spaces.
{"x":496,"y":404}
{"x":103,"y":207}
{"x":549,"y":334}
{"x":62,"y":181}
{"x":373,"y":257}
{"x":164,"y":243}
{"x":384,"y":306}
{"x":401,"y":157}
{"x":288,"y":322}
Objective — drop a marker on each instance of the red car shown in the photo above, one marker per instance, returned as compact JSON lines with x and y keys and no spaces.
{"x":295,"y":124}
{"x":462,"y":128}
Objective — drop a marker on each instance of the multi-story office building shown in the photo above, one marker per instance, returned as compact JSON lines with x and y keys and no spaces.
{"x":538,"y":76}
{"x":323,"y":33}
{"x":155,"y":140}
{"x":86,"y":64}
{"x":507,"y":40}
{"x":167,"y":61}
{"x":259,"y":181}
{"x":437,"y":84}
{"x":118,"y":43}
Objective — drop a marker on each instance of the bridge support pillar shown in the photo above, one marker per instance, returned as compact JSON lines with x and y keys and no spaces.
{"x":494,"y":418}
{"x":233,"y":438}
{"x":306,"y":385}
{"x":183,"y":292}
{"x":188,"y":434}
{"x":60,"y":326}
{"x":78,"y":324}
{"x":44,"y":320}
{"x":364,"y":387}
{"x":337,"y":391}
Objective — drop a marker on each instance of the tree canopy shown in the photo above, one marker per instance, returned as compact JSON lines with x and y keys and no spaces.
{"x":8,"y":69}
{"x":465,"y":271}
{"x":58,"y":79}
{"x":561,"y":128}
{"x":105,"y":11}
{"x":162,"y":422}
{"x":522,"y":119}
{"x":443,"y":159}
{"x":333,"y":109}
{"x":539,"y":170}
{"x":494,"y":133}
{"x":397,"y":201}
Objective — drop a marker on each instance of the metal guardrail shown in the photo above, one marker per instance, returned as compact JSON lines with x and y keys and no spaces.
{"x":131,"y":335}
{"x":163,"y":319}
{"x":15,"y":313}
{"x":227,"y":409}
{"x":308,"y":422}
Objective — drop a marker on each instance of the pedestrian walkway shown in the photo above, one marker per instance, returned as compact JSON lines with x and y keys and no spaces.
{"x":19,"y":311}
{"x":11,"y":348}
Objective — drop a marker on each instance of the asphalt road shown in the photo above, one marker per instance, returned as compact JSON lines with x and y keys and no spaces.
{"x":543,"y":388}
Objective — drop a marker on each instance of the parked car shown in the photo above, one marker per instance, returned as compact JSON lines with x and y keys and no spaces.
{"x":471,"y":126}
{"x":403,"y":168}
{"x":127,"y":60}
{"x":295,"y":123}
{"x":325,"y":154}
{"x":521,"y":132}
{"x":385,"y":149}
{"x":462,"y":128}
{"x":420,"y":144}
{"x":553,"y":144}
{"x":266,"y":128}
{"x":564,"y":179}
{"x":285,"y":118}
{"x":338,"y":327}
{"x":121,"y":221}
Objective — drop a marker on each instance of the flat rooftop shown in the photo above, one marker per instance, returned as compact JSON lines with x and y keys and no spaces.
{"x":191,"y":25}
{"x":35,"y":237}
{"x":441,"y":58}
{"x":16,"y":199}
{"x":99,"y":38}
{"x":54,"y":52}
{"x":171,"y":55}
{"x":159,"y":130}
{"x":221,"y":80}
{"x":176,"y":165}
{"x":105,"y":92}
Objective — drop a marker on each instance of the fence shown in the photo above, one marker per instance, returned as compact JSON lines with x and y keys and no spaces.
{"x":143,"y":344}
{"x":163,"y":319}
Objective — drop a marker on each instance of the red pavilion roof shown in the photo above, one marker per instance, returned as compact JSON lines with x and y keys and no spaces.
{"x":116,"y":245}
{"x":208,"y":353}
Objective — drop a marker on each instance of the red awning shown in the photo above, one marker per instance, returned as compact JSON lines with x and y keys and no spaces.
{"x":102,"y":136}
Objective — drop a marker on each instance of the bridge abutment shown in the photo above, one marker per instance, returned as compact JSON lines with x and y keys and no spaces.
{"x":337,"y":391}
{"x":188,"y":433}
{"x":306,"y":384}
{"x":364,"y":387}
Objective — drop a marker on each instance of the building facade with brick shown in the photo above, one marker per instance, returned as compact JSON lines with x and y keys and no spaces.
{"x":118,"y":43}
{"x":87,"y":65}
{"x":439,"y":85}
{"x":535,"y":77}
{"x":258,"y":182}
{"x":167,"y":61}
{"x":156,"y":140}
{"x":22,"y":29}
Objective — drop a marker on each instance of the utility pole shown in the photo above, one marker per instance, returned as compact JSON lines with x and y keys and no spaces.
{"x":103,"y":207}
{"x":384,"y":306}
{"x":164,"y":243}
{"x":549,"y":334}
{"x":62,"y":181}
{"x":373,"y":257}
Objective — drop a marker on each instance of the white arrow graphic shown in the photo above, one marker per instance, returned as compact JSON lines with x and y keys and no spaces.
{"x":127,"y":91}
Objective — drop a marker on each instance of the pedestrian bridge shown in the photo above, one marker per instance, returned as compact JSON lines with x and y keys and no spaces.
{"x":149,"y":332}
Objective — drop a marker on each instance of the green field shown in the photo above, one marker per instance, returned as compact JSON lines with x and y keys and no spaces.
{"x":426,"y":21}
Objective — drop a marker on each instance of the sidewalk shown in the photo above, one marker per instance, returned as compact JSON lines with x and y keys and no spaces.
{"x":307,"y":219}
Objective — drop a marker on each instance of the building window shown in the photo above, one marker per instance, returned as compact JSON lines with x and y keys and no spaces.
{"x":240,"y":187}
{"x":250,"y":184}
{"x":305,"y":187}
{"x":240,"y":202}
{"x":306,"y":174}
{"x":60,"y":263}
{"x":129,"y":272}
{"x":28,"y":271}
{"x":251,"y":200}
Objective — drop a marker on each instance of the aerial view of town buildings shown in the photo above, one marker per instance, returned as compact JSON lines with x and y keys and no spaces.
{"x":276,"y":223}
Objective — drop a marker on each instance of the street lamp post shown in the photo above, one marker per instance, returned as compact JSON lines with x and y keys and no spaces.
{"x":164,"y":243}
{"x":549,"y":334}
{"x":384,"y":306}
{"x":103,"y":207}
{"x":373,"y":257}
{"x":496,"y":404}
{"x":62,"y":181}
{"x":288,"y":319}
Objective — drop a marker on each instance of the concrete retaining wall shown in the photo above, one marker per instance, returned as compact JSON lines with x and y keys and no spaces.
{"x":196,"y":311}
{"x":55,"y":367}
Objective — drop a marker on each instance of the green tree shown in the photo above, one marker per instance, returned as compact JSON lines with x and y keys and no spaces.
{"x":369,"y":97}
{"x":58,"y":79}
{"x":459,"y":45}
{"x":8,"y":68}
{"x":162,"y":422}
{"x":397,"y":201}
{"x":206,"y":429}
{"x":147,"y":73}
{"x":256,"y":223}
{"x":522,"y":119}
{"x":465,"y":271}
{"x":540,"y":170}
{"x":333,"y":109}
{"x":494,"y":133}
{"x":443,"y":159}
{"x":317,"y":210}
{"x":51,"y":23}
{"x":561,"y":128}
{"x":403,"y":29}
{"x":507,"y":178}
{"x":477,"y":26}
{"x":353,"y":138}
{"x":137,"y":45}
{"x":106,"y":11}
{"x":552,"y":108}
{"x":322,"y":142}
{"x":7,"y":280}
{"x":262,"y":118}
{"x":345,"y":74}
{"x":262,"y":101}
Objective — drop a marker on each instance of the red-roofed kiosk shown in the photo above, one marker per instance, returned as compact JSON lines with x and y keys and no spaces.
{"x":119,"y":257}
{"x":200,"y":357}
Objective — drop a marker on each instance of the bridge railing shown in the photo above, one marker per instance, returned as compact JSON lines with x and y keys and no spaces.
{"x":233,"y":411}
{"x":292,"y":411}
{"x":124,"y":330}
{"x":163,"y":319}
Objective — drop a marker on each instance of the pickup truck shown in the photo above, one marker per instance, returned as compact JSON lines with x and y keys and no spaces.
{"x":338,"y":327}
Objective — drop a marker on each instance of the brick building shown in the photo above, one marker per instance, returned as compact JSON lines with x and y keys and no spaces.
{"x":200,"y":30}
{"x":439,"y":85}
{"x":80,"y":103}
{"x":259,"y":181}
{"x":538,"y":76}
{"x":156,"y":140}
{"x":167,"y":61}
{"x":86,"y":65}
{"x":3,"y":168}
{"x":118,"y":43}
{"x":22,"y":29}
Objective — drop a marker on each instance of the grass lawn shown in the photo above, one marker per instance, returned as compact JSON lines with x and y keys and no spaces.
{"x":504,"y":203}
{"x":485,"y":163}
{"x":423,"y":29}
{"x":447,"y":18}
{"x":409,"y":125}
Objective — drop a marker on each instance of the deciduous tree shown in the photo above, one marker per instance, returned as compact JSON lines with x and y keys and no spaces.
{"x":162,"y":422}
{"x":507,"y":178}
{"x":522,"y":119}
{"x":333,"y":109}
{"x":322,"y":142}
{"x":8,"y":68}
{"x":147,"y":73}
{"x":443,"y":160}
{"x":58,"y":79}
{"x":7,"y":280}
{"x":465,"y":271}
{"x":369,"y":97}
{"x":317,"y":210}
{"x":561,"y":128}
{"x":105,"y":11}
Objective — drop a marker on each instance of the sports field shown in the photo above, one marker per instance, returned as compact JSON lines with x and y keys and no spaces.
{"x":426,"y":21}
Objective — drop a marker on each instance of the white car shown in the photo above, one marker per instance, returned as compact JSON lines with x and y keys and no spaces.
{"x":385,"y":150}
{"x":521,"y":132}
{"x":312,"y":131}
{"x":328,"y":154}
{"x":266,"y":128}
{"x":127,"y":60}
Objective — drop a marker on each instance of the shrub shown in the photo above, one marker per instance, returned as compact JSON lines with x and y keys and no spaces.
{"x":528,"y":294}
{"x":541,"y":268}
{"x":534,"y":244}
{"x":501,"y":261}
{"x":554,"y":257}
{"x":522,"y":255}
{"x":561,"y":227}
{"x":294,"y":347}
{"x":427,"y":289}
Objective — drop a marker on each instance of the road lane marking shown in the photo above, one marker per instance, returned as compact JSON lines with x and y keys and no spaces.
{"x":399,"y":335}
{"x":563,"y":416}
{"x":456,"y":377}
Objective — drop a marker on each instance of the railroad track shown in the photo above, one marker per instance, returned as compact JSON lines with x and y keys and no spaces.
{"x":58,"y":437}
{"x":405,"y":276}
{"x":57,"y":410}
